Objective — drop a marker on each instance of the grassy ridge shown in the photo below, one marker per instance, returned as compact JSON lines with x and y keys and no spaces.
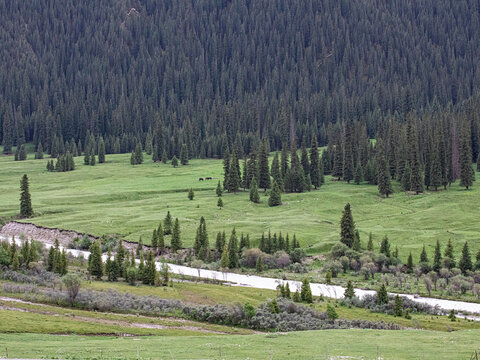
{"x":328,"y":344}
{"x":116,"y":198}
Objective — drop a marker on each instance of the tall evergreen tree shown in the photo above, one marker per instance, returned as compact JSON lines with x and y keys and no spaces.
{"x":348,"y":154}
{"x":184,"y":155}
{"x":233,"y":250}
{"x":275,"y":198}
{"x":466,"y":171}
{"x":176,"y":242}
{"x":384,"y":178}
{"x":254,"y":197}
{"x":26,"y":210}
{"x":138,"y":153}
{"x":167,"y":224}
{"x":347,"y":226}
{"x":465,"y":263}
{"x":234,"y":176}
{"x":315,"y":168}
{"x":263,"y":167}
{"x":101,"y":151}
{"x":449,"y":258}
{"x":437,"y":258}
{"x":95,"y":264}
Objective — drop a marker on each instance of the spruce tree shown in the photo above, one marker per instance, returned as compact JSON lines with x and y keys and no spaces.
{"x":358,"y":175}
{"x":347,"y":227}
{"x":410,"y":263}
{"x":225,"y":260}
{"x":160,"y":238}
{"x":423,"y":256}
{"x":176,"y":242}
{"x":167,"y":224}
{"x":275,"y":198}
{"x":315,"y":168}
{"x":220,"y":203}
{"x":406,"y":177}
{"x":306,"y":292}
{"x":398,"y":306}
{"x":385,"y":247}
{"x":184,"y":155}
{"x":349,"y":291}
{"x":101,"y":151}
{"x":174,"y":161}
{"x":233,"y":250}
{"x":449,"y":258}
{"x":138,"y":153}
{"x":254,"y":196}
{"x":95,"y":265}
{"x":465,"y":263}
{"x":437,"y":258}
{"x":284,"y":160}
{"x":26,"y":210}
{"x":382,"y":295}
{"x":234,"y":176}
{"x":383,"y":177}
{"x":466,"y":171}
{"x":263,"y":167}
{"x":154,"y":240}
{"x":348,"y":154}
{"x":219,"y":189}
{"x":370,"y":242}
{"x":149,"y":272}
{"x":276,"y":171}
{"x":304,"y":159}
{"x":259,"y":265}
{"x":92,"y":159}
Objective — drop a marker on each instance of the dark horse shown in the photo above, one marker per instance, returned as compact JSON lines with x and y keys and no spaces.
{"x":200,"y":179}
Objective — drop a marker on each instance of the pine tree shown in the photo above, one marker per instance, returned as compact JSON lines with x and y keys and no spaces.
{"x":284,"y":160}
{"x":437,"y":258}
{"x":263,"y":167}
{"x":154,"y":240}
{"x":101,"y":151}
{"x":254,"y":196}
{"x":423,"y":256}
{"x":348,"y":154}
{"x":92,"y":159}
{"x":370,"y":242}
{"x":406,"y":177}
{"x":138,"y":154}
{"x":63,"y":263}
{"x":191,"y":194}
{"x":225,"y":260}
{"x":26,"y":210}
{"x":358,"y":176}
{"x":234,"y":176}
{"x":95,"y":265}
{"x":448,"y":255}
{"x":382,"y":295}
{"x":304,"y":159}
{"x":219,"y":189}
{"x":276,"y":171}
{"x":160,"y":239}
{"x":410,"y":263}
{"x":275,"y":198}
{"x":347,"y":227}
{"x":338,"y":159}
{"x":356,"y":241}
{"x":233,"y":250}
{"x":466,"y":171}
{"x":167,"y":224}
{"x":315,"y":168}
{"x":109,"y":270}
{"x":184,"y":155}
{"x":259,"y":265}
{"x":385,"y":247}
{"x":398,"y":307}
{"x":383,"y":177}
{"x":174,"y":161}
{"x":15,"y":264}
{"x":220,"y":203}
{"x":176,"y":242}
{"x":349,"y":291}
{"x":306,"y":292}
{"x":149,"y":272}
{"x":465,"y":263}
{"x":165,"y":158}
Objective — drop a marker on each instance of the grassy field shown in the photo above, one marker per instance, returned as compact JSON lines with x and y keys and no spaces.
{"x":328,"y":344}
{"x":117,"y":198}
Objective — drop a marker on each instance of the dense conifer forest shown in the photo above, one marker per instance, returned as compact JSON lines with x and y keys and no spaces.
{"x":208,"y":74}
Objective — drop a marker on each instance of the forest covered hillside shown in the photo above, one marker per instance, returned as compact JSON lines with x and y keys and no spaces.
{"x":208,"y":73}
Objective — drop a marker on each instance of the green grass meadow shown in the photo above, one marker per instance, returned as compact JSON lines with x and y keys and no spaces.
{"x":326,"y":344}
{"x":117,"y":198}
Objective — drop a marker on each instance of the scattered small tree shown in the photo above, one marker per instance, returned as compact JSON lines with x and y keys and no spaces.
{"x":349,"y":291}
{"x":306,"y":292}
{"x":382,"y":295}
{"x":220,"y":203}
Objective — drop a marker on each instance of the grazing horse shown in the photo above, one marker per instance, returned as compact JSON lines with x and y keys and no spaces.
{"x":208,"y":178}
{"x":200,"y":179}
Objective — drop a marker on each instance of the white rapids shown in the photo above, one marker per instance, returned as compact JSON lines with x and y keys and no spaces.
{"x":260,"y":282}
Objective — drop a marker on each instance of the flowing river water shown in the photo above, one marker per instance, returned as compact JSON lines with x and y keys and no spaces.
{"x":260,"y":282}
